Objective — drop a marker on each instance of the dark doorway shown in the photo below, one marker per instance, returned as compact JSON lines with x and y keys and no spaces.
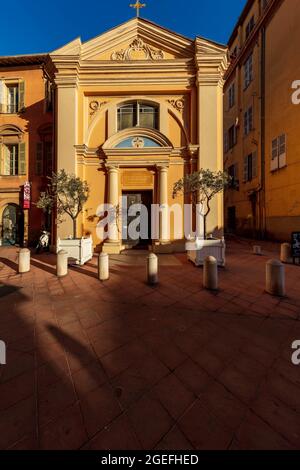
{"x":141,"y":200}
{"x":231,"y":219}
{"x":12,"y":225}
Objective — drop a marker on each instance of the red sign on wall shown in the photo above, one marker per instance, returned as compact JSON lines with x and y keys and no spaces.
{"x":26,"y":195}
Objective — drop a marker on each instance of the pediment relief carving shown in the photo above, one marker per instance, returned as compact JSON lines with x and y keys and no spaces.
{"x":138,"y":50}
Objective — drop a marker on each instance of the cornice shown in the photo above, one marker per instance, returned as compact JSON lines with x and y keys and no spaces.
{"x":140,"y":155}
{"x":182,"y":82}
{"x":137,"y":163}
{"x":88,"y":155}
{"x":211,"y":69}
{"x":263,"y":21}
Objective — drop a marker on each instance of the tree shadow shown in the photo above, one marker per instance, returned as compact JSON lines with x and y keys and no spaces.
{"x":9,"y":263}
{"x":42,"y":266}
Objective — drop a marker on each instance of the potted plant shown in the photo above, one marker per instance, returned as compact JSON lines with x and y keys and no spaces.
{"x":202,"y":186}
{"x":68,"y":194}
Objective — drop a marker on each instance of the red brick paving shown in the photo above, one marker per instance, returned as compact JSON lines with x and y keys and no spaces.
{"x":121,"y":365}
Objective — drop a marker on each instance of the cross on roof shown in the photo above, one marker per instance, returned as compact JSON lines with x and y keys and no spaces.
{"x":138,"y":5}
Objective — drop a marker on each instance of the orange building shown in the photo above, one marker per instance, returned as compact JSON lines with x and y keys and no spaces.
{"x":262,"y":144}
{"x":26,"y":151}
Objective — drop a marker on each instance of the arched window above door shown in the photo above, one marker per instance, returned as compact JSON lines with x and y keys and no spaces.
{"x":138,"y":114}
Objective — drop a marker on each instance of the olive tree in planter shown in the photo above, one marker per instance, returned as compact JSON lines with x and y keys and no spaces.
{"x":68,"y":194}
{"x":202,"y":186}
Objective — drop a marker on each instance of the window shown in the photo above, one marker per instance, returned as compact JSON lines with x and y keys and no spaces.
{"x":250,"y":167}
{"x":248,"y":71}
{"x":265,"y":3}
{"x":233,"y":173}
{"x":11,"y":96}
{"x":49,"y":98}
{"x":234,"y":53}
{"x":250,"y":26}
{"x":48,"y":158}
{"x":13,"y":159}
{"x":278,"y":153}
{"x":44,"y":159}
{"x":137,"y":114}
{"x":248,"y":121}
{"x":231,"y":95}
{"x":230,"y":138}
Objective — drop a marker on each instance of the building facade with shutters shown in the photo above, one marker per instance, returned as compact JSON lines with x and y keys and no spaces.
{"x":261,"y":137}
{"x":26,"y":156}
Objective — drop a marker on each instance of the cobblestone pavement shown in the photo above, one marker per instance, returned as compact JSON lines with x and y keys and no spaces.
{"x":121,"y":365}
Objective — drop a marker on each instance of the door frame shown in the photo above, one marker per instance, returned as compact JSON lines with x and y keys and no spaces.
{"x":140,"y":243}
{"x":19,"y":225}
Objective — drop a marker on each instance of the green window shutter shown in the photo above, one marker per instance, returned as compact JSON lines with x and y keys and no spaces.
{"x":226,"y":142}
{"x":254,"y":164}
{"x":1,"y":96}
{"x":7,"y":158}
{"x":1,"y":159}
{"x":21,"y":103}
{"x":246,"y":168}
{"x":22,"y":159}
{"x":39,"y":167}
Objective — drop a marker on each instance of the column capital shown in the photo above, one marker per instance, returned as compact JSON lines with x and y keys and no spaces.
{"x":112,"y":168}
{"x":162,"y":167}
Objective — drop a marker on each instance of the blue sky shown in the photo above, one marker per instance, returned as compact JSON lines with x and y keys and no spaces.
{"x":35,"y":26}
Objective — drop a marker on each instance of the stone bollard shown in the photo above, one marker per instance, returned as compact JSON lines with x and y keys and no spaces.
{"x":103,"y":267}
{"x":24,"y":260}
{"x":62,"y":263}
{"x":257,"y":250}
{"x":152,"y":269}
{"x":285,"y":253}
{"x":210,"y":273}
{"x":275,"y":278}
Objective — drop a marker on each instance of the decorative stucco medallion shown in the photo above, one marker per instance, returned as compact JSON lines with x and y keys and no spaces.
{"x":138,"y":45}
{"x":96,"y":105}
{"x":138,"y":142}
{"x":178,"y":104}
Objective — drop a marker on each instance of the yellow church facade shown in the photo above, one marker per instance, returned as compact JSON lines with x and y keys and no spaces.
{"x":136,"y":109}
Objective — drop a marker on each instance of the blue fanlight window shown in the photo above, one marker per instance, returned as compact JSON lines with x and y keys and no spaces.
{"x":137,"y":142}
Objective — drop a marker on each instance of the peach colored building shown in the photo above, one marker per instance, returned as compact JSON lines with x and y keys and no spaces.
{"x":262,"y":144}
{"x":137,"y":108}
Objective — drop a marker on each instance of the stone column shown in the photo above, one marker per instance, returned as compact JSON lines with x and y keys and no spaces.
{"x":164,"y":235}
{"x":113,"y":200}
{"x":113,"y":244}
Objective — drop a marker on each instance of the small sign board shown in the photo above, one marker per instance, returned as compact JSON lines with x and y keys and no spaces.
{"x":295,"y":245}
{"x":26,"y":195}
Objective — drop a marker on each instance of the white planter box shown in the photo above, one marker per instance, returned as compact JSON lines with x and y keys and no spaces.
{"x":198,"y":250}
{"x":80,"y":249}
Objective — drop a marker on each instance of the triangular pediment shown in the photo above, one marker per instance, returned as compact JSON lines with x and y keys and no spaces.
{"x":137,"y":39}
{"x":72,"y":48}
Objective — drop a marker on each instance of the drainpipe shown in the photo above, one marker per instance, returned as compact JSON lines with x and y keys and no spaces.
{"x":262,"y":203}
